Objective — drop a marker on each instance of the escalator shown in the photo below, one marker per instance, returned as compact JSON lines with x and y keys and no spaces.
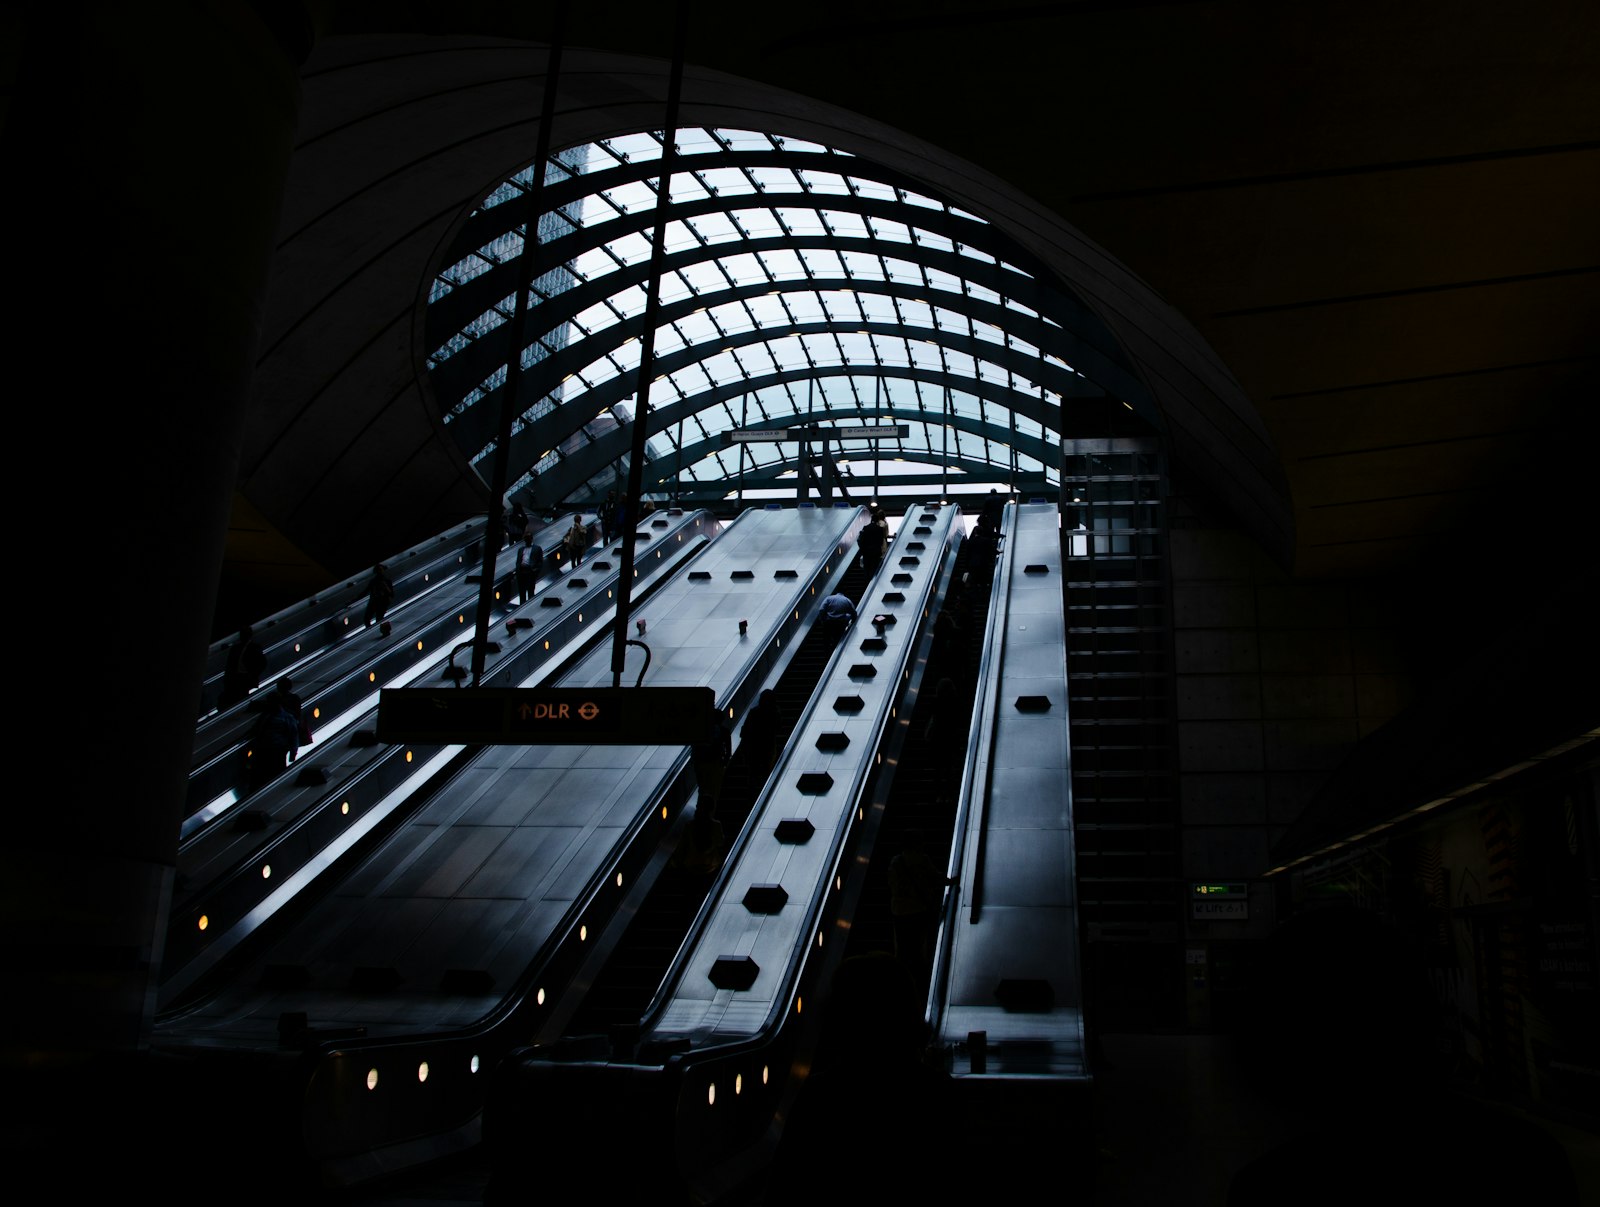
{"x":922,"y":807}
{"x":620,"y":994}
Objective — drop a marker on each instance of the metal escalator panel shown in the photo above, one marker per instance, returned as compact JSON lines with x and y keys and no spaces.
{"x":455,"y":935}
{"x":1010,"y":968}
{"x":739,"y":975}
{"x":233,"y":870}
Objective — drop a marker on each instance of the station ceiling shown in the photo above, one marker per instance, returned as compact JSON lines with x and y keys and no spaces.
{"x":1343,"y":258}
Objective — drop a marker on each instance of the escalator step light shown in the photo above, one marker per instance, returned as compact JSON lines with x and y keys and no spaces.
{"x":915,"y":547}
{"x":364,"y":737}
{"x":786,"y":574}
{"x":310,"y":777}
{"x":765,"y":898}
{"x":901,"y":580}
{"x":742,"y":574}
{"x":734,"y":972}
{"x":285,"y":976}
{"x":250,"y":820}
{"x":863,"y":670}
{"x":922,"y":530}
{"x":550,"y":601}
{"x":1025,"y":996}
{"x":699,"y":576}
{"x":911,"y":561}
{"x":874,"y":645}
{"x":1033,"y":703}
{"x":848,"y":704}
{"x":832,"y":742}
{"x":374,"y":980}
{"x":794,"y":831}
{"x":894,"y":597}
{"x":814,"y":783}
{"x":469,"y":981}
{"x":1036,"y":568}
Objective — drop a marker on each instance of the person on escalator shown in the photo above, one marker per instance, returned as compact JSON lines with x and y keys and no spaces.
{"x":529,"y":556}
{"x":838,"y":613}
{"x":275,"y":737}
{"x":577,"y":541}
{"x":758,"y":738}
{"x":380,"y":594}
{"x":702,"y":847}
{"x":516,"y":524}
{"x":242,"y":674}
{"x":873,"y":540}
{"x":982,"y":548}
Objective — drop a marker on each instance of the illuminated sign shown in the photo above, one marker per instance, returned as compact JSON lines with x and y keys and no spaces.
{"x":531,"y":716}
{"x":1212,"y":902}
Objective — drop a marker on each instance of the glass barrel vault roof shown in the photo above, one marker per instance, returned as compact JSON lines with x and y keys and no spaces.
{"x":801,"y":284}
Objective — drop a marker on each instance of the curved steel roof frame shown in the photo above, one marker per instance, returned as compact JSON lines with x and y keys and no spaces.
{"x":872,"y":280}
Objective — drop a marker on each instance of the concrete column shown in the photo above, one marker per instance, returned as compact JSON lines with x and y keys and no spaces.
{"x":146,"y":151}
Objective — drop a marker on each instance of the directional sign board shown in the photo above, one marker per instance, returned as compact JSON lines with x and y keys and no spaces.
{"x":874,"y":431}
{"x":533,"y":716}
{"x":1219,"y":902}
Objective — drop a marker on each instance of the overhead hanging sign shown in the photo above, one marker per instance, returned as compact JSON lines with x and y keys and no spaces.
{"x":532,"y":716}
{"x":872,"y":431}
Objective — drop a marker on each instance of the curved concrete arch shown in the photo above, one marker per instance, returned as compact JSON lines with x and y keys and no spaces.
{"x":400,"y":136}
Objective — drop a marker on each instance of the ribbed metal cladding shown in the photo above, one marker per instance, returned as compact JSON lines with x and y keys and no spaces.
{"x":1120,"y":679}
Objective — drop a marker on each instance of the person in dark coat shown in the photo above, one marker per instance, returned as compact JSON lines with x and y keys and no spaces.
{"x":247,"y":661}
{"x":380,"y":594}
{"x":516,"y":524}
{"x":701,"y":848}
{"x":529,"y":559}
{"x":758,"y":738}
{"x":275,"y":738}
{"x":837,"y":613}
{"x":873,"y":540}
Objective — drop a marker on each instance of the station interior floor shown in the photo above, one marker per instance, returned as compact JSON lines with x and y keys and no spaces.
{"x":1174,"y":1121}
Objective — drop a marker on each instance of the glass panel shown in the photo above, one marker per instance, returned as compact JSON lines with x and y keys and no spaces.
{"x":824,"y":182}
{"x":727,"y":182}
{"x":632,"y":148}
{"x":784,"y":265}
{"x":845,"y":224}
{"x":696,"y":142}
